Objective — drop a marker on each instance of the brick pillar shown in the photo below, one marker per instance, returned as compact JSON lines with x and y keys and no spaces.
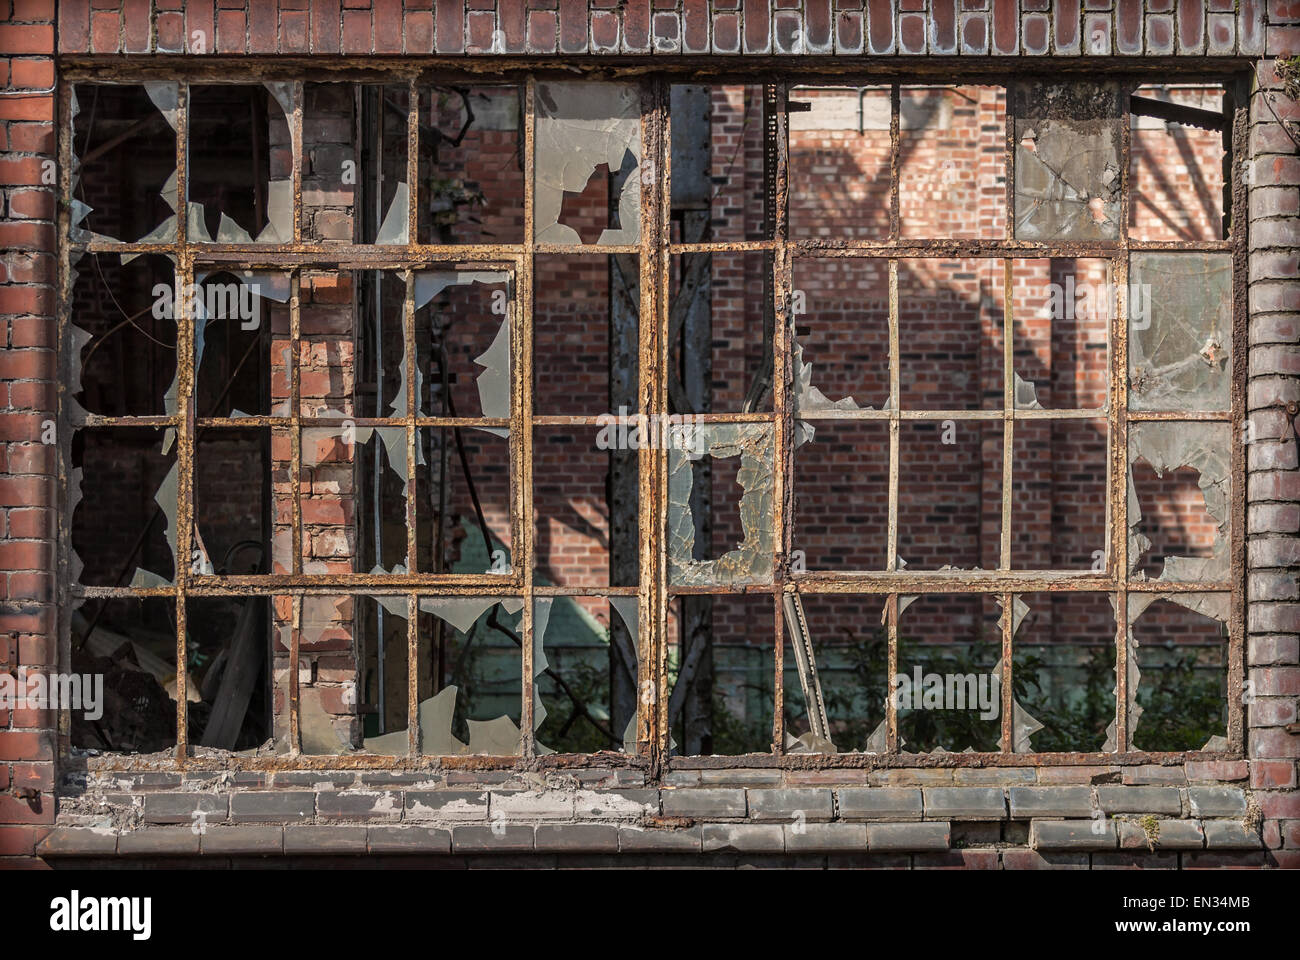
{"x":1273,"y":547}
{"x":28,"y":182}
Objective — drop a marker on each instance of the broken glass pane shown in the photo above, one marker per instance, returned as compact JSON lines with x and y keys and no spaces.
{"x":586,"y":533}
{"x":124,"y":659}
{"x":1067,"y":162}
{"x":948,"y":688}
{"x":950,"y":334}
{"x":1176,"y":165}
{"x":840,"y":311}
{"x":588,"y":181}
{"x":352,"y":345}
{"x":124,"y":335}
{"x":696,"y":561}
{"x":841,"y":674}
{"x":240,"y":176}
{"x":1179,"y":493}
{"x":1178,"y":677}
{"x":468,"y":685}
{"x":352,"y":674}
{"x":471,"y":164}
{"x":1063,"y":668}
{"x":236,"y":314}
{"x":839,"y":160}
{"x":228,"y":652}
{"x":952,"y":176}
{"x":722,"y":673}
{"x":123,"y":507}
{"x":1062,"y":311}
{"x":949,"y":493}
{"x":1180,"y":331}
{"x":124,"y":146}
{"x":721,"y":333}
{"x":383,"y":193}
{"x":464,"y":491}
{"x":1058,"y":495}
{"x":841,"y":514}
{"x":234,"y":496}
{"x":462,"y":337}
{"x":587,"y":684}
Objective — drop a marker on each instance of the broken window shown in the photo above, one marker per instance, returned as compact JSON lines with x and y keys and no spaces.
{"x":1064,"y":669}
{"x":1059,"y":479}
{"x":947,"y":688}
{"x":241,"y":183}
{"x":1067,"y":160}
{"x":836,"y":661}
{"x":721,"y":674}
{"x":585,"y":348}
{"x":124,"y":335}
{"x":720,"y":329}
{"x":471,"y":164}
{"x":840,"y":153}
{"x":588,"y":178}
{"x":667,"y":419}
{"x":950,"y":146}
{"x":1176,"y":174}
{"x":842,"y":517}
{"x":124,"y":176}
{"x":1180,"y":331}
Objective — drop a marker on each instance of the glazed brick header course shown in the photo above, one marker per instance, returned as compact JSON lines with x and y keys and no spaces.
{"x":1104,"y":28}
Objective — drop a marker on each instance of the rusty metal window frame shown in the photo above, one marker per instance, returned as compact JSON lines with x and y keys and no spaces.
{"x":654,"y":251}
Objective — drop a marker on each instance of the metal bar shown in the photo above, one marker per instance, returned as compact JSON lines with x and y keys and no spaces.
{"x":413,"y":163}
{"x":181,"y":549}
{"x":521,"y":428}
{"x":412,"y":433}
{"x":1009,"y":169}
{"x":980,"y":581}
{"x":907,"y":248}
{"x":396,"y":256}
{"x":1008,"y":414}
{"x":295,"y":694}
{"x":783,"y":445}
{"x":891,"y":701}
{"x":1239,"y":229}
{"x":561,"y":762}
{"x":722,"y":246}
{"x":1119,"y":437}
{"x":652,"y":393}
{"x":295,"y":421}
{"x":911,"y":584}
{"x":1006,"y":713}
{"x":63,"y":391}
{"x":295,"y":135}
{"x":895,"y":162}
{"x":891,"y":537}
{"x":413,"y":732}
{"x":1118,"y":494}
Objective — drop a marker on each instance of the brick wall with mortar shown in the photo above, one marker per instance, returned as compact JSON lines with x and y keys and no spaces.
{"x":994,"y":820}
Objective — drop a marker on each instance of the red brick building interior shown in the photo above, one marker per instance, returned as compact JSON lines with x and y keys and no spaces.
{"x":353,"y":671}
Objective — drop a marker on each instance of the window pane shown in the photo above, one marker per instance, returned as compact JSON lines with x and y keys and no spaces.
{"x":588,"y":181}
